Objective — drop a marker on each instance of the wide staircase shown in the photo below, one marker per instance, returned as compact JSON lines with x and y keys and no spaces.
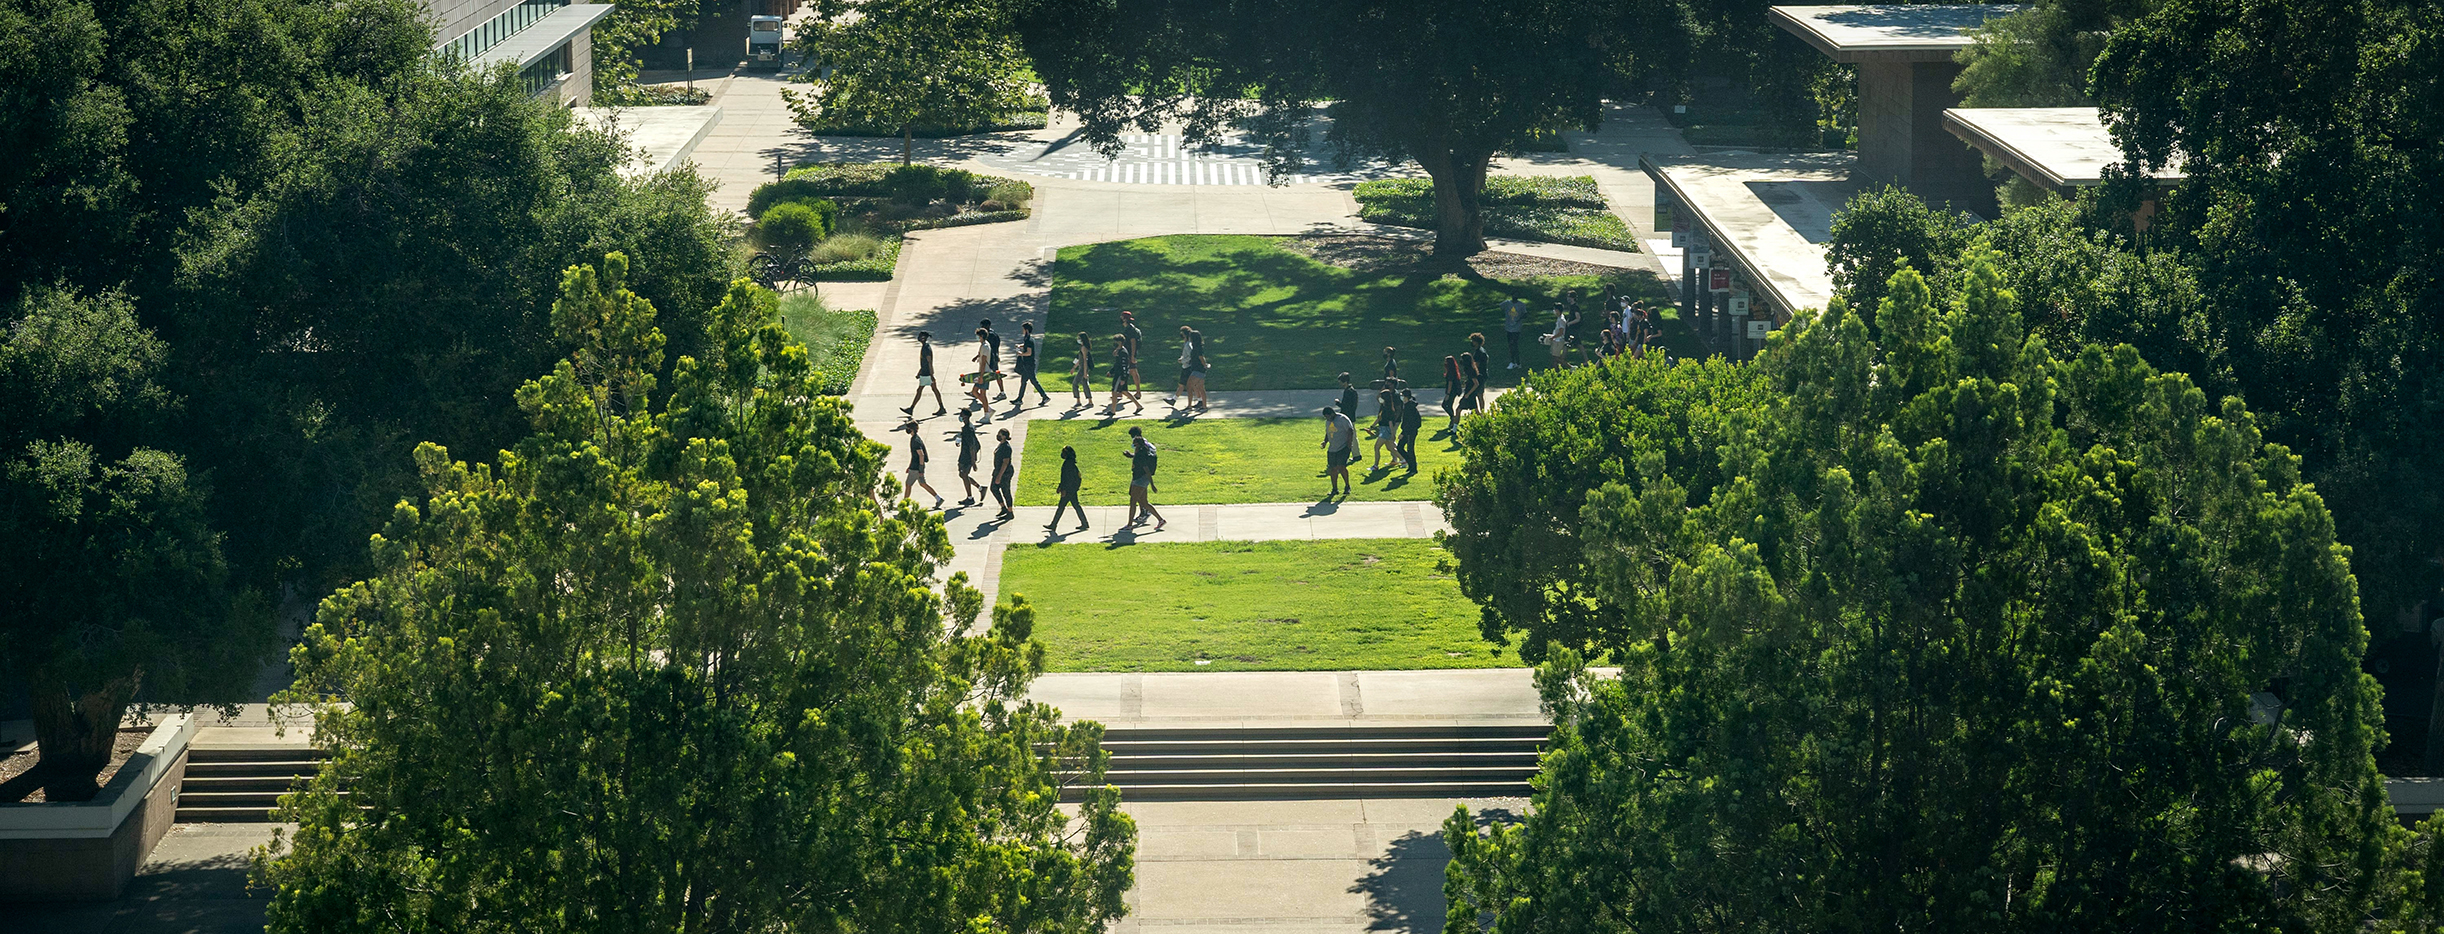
{"x":241,"y":784}
{"x":1323,"y":762}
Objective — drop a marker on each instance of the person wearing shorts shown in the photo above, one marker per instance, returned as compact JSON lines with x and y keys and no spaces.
{"x":1082,"y":375}
{"x":1340,"y":434}
{"x":1141,"y":481}
{"x":916,"y":465}
{"x":992,"y":356}
{"x":1135,"y":337}
{"x":925,"y":376}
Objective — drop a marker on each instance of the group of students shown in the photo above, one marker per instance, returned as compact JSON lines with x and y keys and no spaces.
{"x":1128,"y":381}
{"x":1629,"y":327}
{"x":1024,"y":355}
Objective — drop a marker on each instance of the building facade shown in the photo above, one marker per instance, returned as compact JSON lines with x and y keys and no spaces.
{"x":549,"y":42}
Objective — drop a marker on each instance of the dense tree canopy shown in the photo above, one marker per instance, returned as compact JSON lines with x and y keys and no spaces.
{"x":911,"y":63}
{"x":1972,"y":638}
{"x":1447,"y":82}
{"x":1517,"y":539}
{"x":681,"y":668}
{"x":334,"y":242}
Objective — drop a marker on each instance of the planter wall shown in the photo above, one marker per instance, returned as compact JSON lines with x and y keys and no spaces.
{"x":88,"y":850}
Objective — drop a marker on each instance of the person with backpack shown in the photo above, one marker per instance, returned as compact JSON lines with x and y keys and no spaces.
{"x":1141,"y":457}
{"x":992,"y":352}
{"x":1070,"y":481}
{"x":1082,"y":374}
{"x":1123,"y":365}
{"x":1027,"y":359}
{"x":1387,"y":424}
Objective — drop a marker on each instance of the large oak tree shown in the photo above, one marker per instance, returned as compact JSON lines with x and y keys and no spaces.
{"x":1448,"y":83}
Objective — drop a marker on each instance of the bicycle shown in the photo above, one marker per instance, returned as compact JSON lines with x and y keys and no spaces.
{"x":770,"y":270}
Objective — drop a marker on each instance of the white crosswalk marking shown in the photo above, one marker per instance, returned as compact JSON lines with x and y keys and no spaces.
{"x":1166,"y":159}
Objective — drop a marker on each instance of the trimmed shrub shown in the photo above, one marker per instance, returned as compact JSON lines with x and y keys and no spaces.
{"x":1011,"y":194}
{"x":793,"y":227}
{"x":846,"y":248}
{"x":788,"y":189}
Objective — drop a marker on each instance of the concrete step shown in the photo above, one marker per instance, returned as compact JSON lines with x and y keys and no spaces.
{"x":1138,"y":778}
{"x":254,"y":754}
{"x":1327,"y":760}
{"x":1254,"y":791}
{"x":224,"y":815}
{"x":1222,"y":764}
{"x":214,"y":783}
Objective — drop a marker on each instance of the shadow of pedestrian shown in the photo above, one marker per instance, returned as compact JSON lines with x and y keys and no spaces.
{"x":1121,"y":538}
{"x":1322,"y":507}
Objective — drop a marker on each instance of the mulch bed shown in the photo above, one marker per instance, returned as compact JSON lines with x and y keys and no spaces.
{"x":22,"y":761}
{"x":1388,"y":254}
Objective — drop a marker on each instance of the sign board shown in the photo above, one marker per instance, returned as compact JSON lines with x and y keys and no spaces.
{"x":1759,"y":329}
{"x":1719,"y":279}
{"x":1700,"y":257}
{"x":1739,"y":303}
{"x":1664,"y":209}
{"x":1682,"y":237}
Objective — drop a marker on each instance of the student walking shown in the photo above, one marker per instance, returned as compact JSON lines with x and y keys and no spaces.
{"x":1391,"y":364}
{"x":924,"y":376}
{"x":1349,"y":399}
{"x":984,"y":375}
{"x":1082,"y":374}
{"x":1191,"y":355}
{"x":1485,"y":362}
{"x":1558,"y":342}
{"x":1070,"y":482}
{"x":1387,"y":425}
{"x":916,"y":465}
{"x":1410,"y":422}
{"x":992,"y":355}
{"x":1340,"y":434}
{"x":1197,"y":368}
{"x":1141,"y":481}
{"x":1124,"y":368}
{"x":1136,"y":339}
{"x":969,"y":447}
{"x":1005,"y":469}
{"x":1453,"y":386}
{"x":1514,"y":319}
{"x":1472,"y":387}
{"x":1027,"y":360}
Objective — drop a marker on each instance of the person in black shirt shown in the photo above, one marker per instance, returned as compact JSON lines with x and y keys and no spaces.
{"x":1391,"y":363}
{"x":1410,"y":421}
{"x":925,"y":376}
{"x":1452,"y":387}
{"x":1027,"y":361}
{"x":1135,"y":337}
{"x":916,"y":465}
{"x":969,"y":445}
{"x":1069,"y":491}
{"x":1387,"y":425}
{"x":1082,"y":374}
{"x":1348,"y":406}
{"x":1141,"y":480}
{"x":1005,"y":469}
{"x":1124,"y":366}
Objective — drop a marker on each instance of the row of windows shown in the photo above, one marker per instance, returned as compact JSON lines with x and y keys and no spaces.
{"x":539,"y":76}
{"x":498,"y":29}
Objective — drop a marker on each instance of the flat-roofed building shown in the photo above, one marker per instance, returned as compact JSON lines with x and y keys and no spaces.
{"x":550,"y":42}
{"x":1903,"y":54}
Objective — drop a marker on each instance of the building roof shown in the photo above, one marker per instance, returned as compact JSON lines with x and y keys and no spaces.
{"x":1769,"y":214}
{"x":2057,"y":147}
{"x":551,"y":32}
{"x":1887,"y":32}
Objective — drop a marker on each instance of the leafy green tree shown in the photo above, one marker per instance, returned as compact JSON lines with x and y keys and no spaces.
{"x":344,"y":244}
{"x":1882,"y":230}
{"x":112,"y":583}
{"x":2313,"y":216}
{"x":910,"y":63}
{"x":1973,"y":638}
{"x":1448,"y":83}
{"x":681,"y":668}
{"x":1515,"y":513}
{"x":2040,"y":54}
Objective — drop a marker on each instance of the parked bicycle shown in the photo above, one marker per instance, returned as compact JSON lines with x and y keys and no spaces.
{"x":774,"y":270}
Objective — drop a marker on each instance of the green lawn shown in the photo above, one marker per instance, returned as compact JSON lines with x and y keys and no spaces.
{"x":1221,"y":460}
{"x":1532,"y":207}
{"x":1274,"y":319}
{"x":1359,"y":603}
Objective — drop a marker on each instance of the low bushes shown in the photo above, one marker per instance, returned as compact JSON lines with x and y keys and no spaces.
{"x":795,"y":226}
{"x":835,"y":340}
{"x":867,"y":206}
{"x":1035,"y":119}
{"x":1555,"y":210}
{"x":652,"y":95}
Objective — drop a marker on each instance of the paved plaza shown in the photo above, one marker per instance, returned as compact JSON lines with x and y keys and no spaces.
{"x":1305,"y":867}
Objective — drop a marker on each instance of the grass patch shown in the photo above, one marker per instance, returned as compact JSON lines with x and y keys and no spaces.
{"x":1554,"y":210}
{"x":1274,"y":319}
{"x":835,"y":340}
{"x":1329,"y":605}
{"x":1221,"y":460}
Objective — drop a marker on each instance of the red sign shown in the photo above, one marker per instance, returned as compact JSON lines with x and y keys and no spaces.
{"x":1720,"y":281}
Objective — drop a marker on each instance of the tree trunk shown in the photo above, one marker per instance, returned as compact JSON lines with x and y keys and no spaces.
{"x":2435,"y":719}
{"x":76,"y":729}
{"x":907,"y":142}
{"x":1459,"y":199}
